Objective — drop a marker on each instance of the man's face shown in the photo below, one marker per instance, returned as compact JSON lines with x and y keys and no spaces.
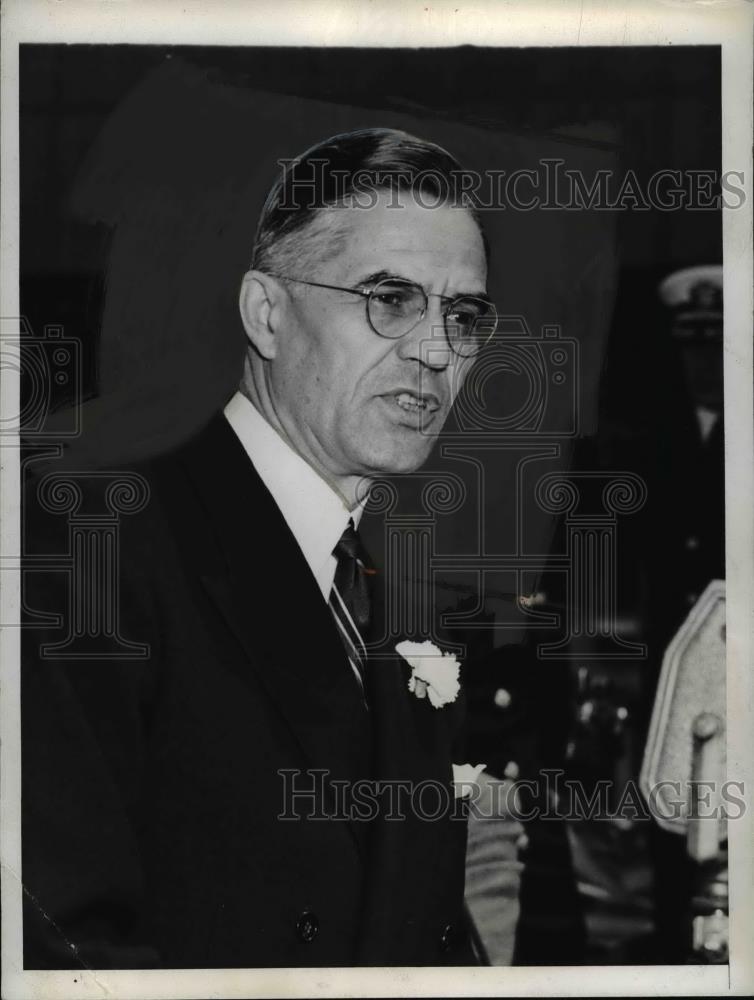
{"x":337,"y":388}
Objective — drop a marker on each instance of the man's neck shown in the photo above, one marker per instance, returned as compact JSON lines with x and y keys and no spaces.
{"x":352,"y":490}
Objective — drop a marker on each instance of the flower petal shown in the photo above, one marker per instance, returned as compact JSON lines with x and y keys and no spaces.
{"x":433,"y":672}
{"x":465,"y":777}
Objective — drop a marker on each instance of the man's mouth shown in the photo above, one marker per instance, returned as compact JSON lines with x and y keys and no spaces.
{"x":413,"y":402}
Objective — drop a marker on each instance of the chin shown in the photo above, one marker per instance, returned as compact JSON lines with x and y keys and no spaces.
{"x":397,"y":461}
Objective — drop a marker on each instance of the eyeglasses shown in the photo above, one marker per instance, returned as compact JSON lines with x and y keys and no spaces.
{"x":395,"y":306}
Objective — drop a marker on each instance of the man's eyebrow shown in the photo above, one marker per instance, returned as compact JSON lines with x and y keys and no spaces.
{"x":474,"y":295}
{"x":374,"y":277}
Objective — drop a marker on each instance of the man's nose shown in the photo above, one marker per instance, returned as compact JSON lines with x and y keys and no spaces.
{"x":427,"y":342}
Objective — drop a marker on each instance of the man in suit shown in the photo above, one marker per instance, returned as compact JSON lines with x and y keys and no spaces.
{"x":181,"y":806}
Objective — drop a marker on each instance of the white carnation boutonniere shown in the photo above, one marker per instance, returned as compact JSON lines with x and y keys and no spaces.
{"x":434,"y":674}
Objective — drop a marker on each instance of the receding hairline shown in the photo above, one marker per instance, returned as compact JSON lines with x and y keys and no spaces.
{"x":324,"y":236}
{"x":350,"y":166}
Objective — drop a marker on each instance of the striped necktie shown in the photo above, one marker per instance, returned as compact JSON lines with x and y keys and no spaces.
{"x":351,"y":598}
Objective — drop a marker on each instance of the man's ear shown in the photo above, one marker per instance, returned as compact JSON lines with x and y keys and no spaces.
{"x":259,"y":302}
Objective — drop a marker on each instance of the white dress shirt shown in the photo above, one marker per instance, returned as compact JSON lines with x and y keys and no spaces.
{"x":314,"y":512}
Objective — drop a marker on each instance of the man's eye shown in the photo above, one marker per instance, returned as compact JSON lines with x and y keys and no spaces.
{"x":392,"y":298}
{"x":460,"y":316}
{"x":463,"y":318}
{"x":470,"y":317}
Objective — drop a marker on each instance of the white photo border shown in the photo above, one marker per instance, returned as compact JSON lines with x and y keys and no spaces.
{"x":401,"y":23}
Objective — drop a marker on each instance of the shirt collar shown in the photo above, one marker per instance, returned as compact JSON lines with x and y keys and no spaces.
{"x":314,"y":512}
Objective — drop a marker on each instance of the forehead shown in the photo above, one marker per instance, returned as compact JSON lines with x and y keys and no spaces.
{"x":440,"y":245}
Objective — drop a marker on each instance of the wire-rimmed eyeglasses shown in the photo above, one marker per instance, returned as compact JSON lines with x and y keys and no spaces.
{"x":395,"y":306}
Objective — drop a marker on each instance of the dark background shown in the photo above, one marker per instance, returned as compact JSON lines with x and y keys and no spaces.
{"x":661,"y":106}
{"x":645,"y":109}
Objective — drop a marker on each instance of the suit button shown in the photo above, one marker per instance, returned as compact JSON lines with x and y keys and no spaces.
{"x":502,"y":698}
{"x":446,"y":940}
{"x":307,"y":927}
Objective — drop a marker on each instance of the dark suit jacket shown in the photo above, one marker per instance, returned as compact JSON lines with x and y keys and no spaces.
{"x":151,"y":787}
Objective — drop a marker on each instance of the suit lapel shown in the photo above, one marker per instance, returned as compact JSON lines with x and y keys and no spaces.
{"x":255,"y":575}
{"x":269,"y":599}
